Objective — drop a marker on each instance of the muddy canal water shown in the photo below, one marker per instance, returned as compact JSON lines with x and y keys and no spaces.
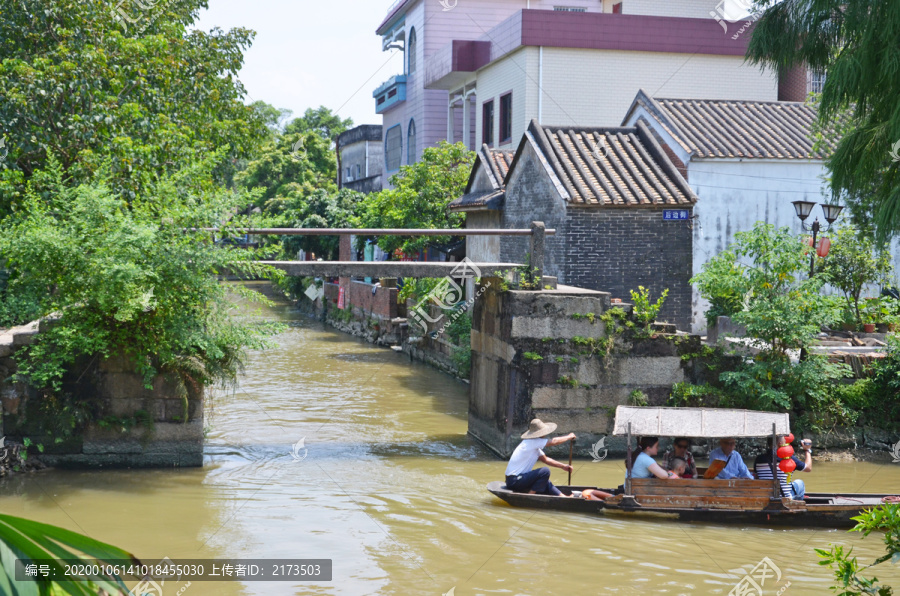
{"x":388,"y":485}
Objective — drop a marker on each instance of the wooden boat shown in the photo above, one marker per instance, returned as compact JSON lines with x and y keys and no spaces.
{"x":738,"y":500}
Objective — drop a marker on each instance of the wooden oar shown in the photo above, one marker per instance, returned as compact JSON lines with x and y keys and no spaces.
{"x":571,"y":444}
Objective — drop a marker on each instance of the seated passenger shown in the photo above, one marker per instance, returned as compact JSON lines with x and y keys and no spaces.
{"x":734,"y":463}
{"x":681,"y":448}
{"x":679,"y":467}
{"x":642,"y":462}
{"x":795,"y":490}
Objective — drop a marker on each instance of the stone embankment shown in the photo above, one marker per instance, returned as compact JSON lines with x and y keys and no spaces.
{"x":371,"y":313}
{"x":129,"y":424}
{"x":561,"y":355}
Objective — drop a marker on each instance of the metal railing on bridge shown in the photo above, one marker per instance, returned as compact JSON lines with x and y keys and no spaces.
{"x":379,"y":269}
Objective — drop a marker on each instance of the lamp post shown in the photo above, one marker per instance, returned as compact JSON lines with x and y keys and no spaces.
{"x":803,"y":209}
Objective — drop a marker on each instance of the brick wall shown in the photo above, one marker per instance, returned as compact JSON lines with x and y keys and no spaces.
{"x":383,"y":304}
{"x":530,"y":196}
{"x":792,"y":84}
{"x":617,"y":250}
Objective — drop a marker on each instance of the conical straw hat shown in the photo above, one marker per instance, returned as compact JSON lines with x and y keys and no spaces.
{"x":538,"y":428}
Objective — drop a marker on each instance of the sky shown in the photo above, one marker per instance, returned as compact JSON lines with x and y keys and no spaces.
{"x":310,"y":53}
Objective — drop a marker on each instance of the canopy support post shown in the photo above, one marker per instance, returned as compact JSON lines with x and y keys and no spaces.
{"x":628,"y":461}
{"x":776,"y":485}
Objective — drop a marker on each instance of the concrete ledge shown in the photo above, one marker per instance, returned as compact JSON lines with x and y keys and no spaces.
{"x":540,"y":327}
{"x":167,"y":459}
{"x":24,"y":335}
{"x":659,"y":371}
{"x":386,"y":268}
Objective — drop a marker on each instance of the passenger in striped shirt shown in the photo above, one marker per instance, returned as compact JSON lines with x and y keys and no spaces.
{"x":763,"y":468}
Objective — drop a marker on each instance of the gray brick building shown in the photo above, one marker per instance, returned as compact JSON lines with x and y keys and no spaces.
{"x":360,"y":155}
{"x":621,"y":209}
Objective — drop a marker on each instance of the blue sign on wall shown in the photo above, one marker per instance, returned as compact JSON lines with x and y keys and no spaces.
{"x":676,"y":214}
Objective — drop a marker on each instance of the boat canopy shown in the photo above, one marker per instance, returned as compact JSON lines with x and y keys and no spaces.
{"x":698,"y":422}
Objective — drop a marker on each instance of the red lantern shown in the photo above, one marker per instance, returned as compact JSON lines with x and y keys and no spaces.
{"x":787,"y":466}
{"x":784,"y":452}
{"x":824,"y":247}
{"x":788,"y":439}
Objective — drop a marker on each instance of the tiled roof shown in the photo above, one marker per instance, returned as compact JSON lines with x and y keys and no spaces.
{"x":491,"y":200}
{"x":612,"y":166}
{"x":711,"y":128}
{"x":497,"y":163}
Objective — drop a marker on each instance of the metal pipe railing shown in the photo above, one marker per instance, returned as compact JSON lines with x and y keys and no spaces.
{"x":537,"y":232}
{"x":375,"y":232}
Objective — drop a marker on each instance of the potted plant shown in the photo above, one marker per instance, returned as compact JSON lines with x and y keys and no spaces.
{"x":871,"y":314}
{"x":890,"y":314}
{"x":848,"y":320}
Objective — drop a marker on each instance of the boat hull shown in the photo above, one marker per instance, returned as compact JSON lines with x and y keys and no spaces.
{"x":824,"y":509}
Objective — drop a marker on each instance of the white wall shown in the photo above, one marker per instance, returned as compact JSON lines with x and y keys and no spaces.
{"x":733,"y":195}
{"x":517,"y":73}
{"x":698,"y":9}
{"x":596,"y":87}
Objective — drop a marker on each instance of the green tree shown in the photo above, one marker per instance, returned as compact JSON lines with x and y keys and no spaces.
{"x":293,"y":165}
{"x":846,"y":568}
{"x":319,"y":209}
{"x":133,"y":97}
{"x":782,"y":310}
{"x":321,"y":121}
{"x":274,"y":118}
{"x":854,"y":263}
{"x":855,"y":43}
{"x":420,"y":197}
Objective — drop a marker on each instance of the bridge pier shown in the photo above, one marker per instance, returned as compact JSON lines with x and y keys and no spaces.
{"x":564,"y":355}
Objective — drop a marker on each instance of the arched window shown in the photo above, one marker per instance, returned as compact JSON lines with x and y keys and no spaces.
{"x":393,"y":148}
{"x":411,"y":52}
{"x":411,"y":142}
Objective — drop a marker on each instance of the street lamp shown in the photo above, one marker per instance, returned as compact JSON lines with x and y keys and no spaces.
{"x":804,"y":209}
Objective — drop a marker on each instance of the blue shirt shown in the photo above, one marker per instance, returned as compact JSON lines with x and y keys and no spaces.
{"x":736,"y":467}
{"x":641,"y":466}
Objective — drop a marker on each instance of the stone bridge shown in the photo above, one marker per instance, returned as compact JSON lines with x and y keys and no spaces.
{"x":564,"y":354}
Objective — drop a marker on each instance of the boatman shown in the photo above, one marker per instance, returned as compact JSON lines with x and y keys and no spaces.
{"x":520,"y":478}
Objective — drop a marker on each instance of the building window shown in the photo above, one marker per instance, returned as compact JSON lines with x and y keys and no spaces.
{"x":393,"y":148}
{"x":569,"y":9}
{"x":505,"y":118}
{"x":815,"y":81}
{"x":487,"y":122}
{"x":347,"y":178}
{"x":411,"y":52}
{"x":411,"y":142}
{"x":358,"y":171}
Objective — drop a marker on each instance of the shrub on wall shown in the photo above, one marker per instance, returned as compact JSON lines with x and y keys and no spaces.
{"x":127,"y":280}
